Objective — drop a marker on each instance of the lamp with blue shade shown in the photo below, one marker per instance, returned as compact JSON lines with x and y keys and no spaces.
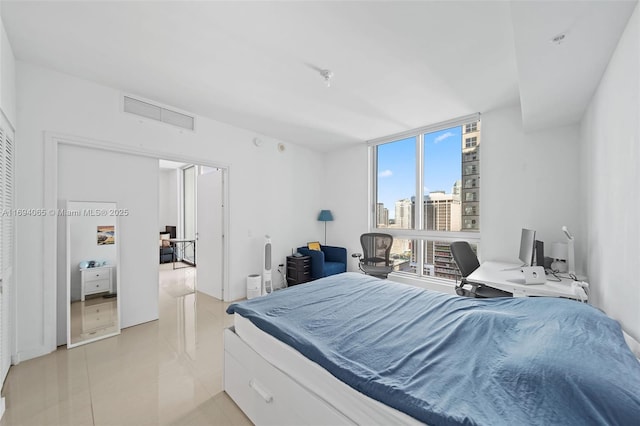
{"x":325,"y":216}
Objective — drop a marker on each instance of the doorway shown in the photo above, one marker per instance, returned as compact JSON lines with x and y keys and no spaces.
{"x":191,"y":205}
{"x":136,"y":176}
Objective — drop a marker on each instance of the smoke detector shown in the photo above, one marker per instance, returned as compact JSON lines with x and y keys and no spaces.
{"x":327,"y":75}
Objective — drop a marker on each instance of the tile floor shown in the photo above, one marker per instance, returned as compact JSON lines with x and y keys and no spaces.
{"x":163,"y":372}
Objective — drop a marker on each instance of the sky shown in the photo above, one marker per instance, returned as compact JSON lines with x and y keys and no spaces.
{"x":396,"y":166}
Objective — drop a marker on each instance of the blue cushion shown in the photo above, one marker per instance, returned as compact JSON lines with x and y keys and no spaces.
{"x":332,"y":268}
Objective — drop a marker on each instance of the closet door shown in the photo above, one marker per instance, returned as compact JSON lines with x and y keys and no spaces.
{"x":7,"y":245}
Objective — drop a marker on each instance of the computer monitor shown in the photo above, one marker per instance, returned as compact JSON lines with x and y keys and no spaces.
{"x":527,"y":246}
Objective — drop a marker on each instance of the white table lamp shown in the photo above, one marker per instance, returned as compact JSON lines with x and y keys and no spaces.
{"x":571,"y":257}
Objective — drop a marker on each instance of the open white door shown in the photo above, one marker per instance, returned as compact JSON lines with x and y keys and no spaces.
{"x":209,"y":222}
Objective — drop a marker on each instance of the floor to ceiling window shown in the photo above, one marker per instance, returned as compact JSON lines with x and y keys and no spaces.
{"x":426,"y":192}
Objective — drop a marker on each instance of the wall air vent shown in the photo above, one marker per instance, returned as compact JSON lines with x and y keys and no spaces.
{"x":155,"y":112}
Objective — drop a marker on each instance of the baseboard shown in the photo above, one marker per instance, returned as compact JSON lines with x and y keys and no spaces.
{"x":30,"y":354}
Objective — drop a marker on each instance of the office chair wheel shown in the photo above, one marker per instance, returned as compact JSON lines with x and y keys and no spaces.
{"x":460,"y":291}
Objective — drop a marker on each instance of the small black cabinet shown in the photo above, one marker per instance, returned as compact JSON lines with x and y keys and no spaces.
{"x":298,"y":269}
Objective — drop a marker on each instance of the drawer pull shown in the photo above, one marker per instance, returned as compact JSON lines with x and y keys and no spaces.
{"x":263,"y":393}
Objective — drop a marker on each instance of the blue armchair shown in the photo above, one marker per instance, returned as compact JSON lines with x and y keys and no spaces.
{"x":328,"y":261}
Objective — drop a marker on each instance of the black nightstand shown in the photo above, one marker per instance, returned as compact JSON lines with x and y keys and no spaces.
{"x":298,"y":269}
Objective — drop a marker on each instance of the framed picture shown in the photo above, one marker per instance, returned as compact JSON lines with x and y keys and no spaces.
{"x":106,"y":235}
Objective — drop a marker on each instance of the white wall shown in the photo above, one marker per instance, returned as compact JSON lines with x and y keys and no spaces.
{"x":168,"y":198}
{"x":611,"y":157}
{"x":7,"y":78}
{"x":270,"y":192}
{"x":346,"y":192}
{"x":527,"y":181}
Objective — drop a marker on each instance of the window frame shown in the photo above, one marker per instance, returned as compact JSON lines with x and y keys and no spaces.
{"x":471,"y":142}
{"x":424,"y":235}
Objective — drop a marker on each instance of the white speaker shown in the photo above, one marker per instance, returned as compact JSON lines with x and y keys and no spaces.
{"x":267,"y":286}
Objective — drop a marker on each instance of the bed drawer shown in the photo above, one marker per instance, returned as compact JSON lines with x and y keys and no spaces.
{"x":267,"y":395}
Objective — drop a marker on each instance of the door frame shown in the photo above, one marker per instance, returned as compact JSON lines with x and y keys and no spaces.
{"x":52,"y":141}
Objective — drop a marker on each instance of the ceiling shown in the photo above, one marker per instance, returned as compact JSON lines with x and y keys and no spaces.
{"x":396,"y":65}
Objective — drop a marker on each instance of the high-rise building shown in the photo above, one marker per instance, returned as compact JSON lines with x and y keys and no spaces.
{"x":403,"y":214}
{"x":382,"y":216}
{"x":442,"y":211}
{"x":471,"y":176}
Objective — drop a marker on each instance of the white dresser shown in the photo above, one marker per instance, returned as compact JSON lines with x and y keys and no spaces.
{"x":95,"y":280}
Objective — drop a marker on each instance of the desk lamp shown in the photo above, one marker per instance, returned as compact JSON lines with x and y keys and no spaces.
{"x":571,"y":260}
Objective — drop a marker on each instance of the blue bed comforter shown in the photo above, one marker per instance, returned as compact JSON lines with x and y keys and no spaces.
{"x":449,"y":360}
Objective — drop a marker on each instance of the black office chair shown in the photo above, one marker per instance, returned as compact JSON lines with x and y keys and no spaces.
{"x":376,"y":248}
{"x":467,"y":262}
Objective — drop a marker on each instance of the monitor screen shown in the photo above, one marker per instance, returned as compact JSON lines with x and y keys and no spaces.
{"x":527,"y":246}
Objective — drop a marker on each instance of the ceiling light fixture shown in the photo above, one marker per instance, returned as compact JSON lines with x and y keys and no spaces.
{"x":327,"y":74}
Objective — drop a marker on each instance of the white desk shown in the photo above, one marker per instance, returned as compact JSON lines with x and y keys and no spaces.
{"x":498,"y":275}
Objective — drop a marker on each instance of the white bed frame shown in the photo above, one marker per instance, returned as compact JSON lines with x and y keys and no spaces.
{"x":271,"y":393}
{"x":276,"y":385}
{"x":268,"y":396}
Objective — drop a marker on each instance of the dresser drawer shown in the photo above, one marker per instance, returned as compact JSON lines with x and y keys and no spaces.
{"x":298,"y":278}
{"x":305,"y":267}
{"x":91,"y":287}
{"x":294,"y":272}
{"x":97,"y":275}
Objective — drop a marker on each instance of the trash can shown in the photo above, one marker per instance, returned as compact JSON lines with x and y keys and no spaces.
{"x":254,"y":284}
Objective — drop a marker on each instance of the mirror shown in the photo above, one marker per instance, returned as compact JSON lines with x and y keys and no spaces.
{"x":93,"y":284}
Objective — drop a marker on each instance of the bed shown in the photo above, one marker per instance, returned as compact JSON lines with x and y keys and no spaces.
{"x":352,"y":349}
